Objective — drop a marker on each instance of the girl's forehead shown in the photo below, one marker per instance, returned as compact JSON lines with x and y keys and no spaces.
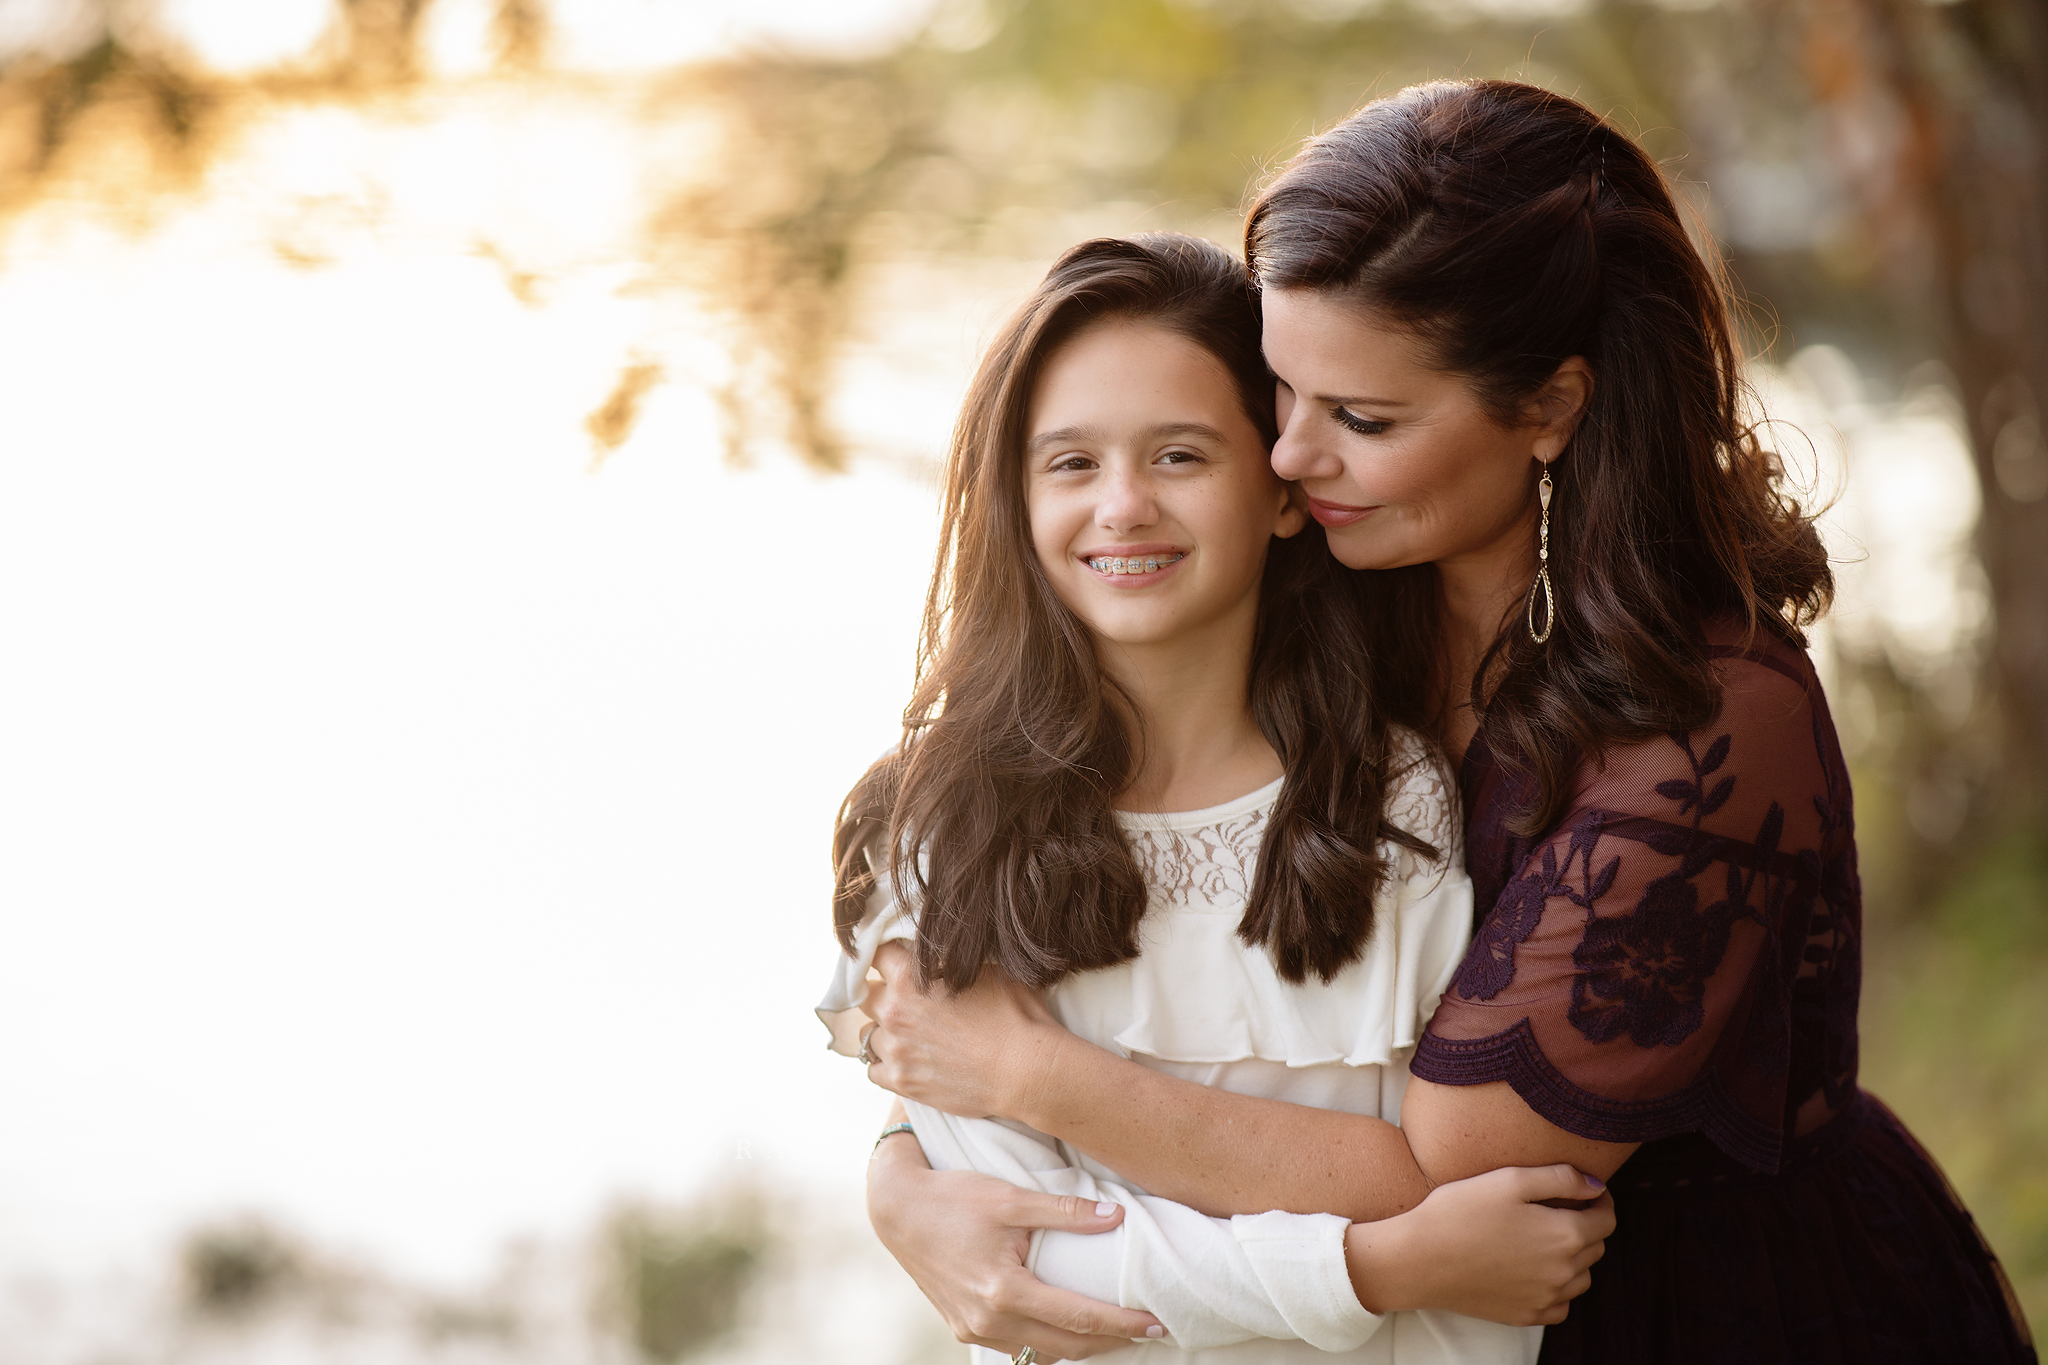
{"x":1121,"y":362}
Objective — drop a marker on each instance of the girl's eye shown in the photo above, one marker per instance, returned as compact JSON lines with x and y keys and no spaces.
{"x":1179,"y":457}
{"x":1364,"y":426}
{"x":1071,"y":462}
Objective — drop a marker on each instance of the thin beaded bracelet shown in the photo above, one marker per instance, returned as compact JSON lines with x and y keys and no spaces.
{"x":891,"y":1131}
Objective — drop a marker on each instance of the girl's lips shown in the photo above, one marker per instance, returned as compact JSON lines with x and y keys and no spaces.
{"x":1336,"y":513}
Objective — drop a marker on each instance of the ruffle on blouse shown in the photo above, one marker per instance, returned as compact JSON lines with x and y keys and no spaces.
{"x":1198,"y":994}
{"x":840,"y":1011}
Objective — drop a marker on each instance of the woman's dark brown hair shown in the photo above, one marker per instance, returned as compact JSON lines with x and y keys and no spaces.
{"x":996,"y":816}
{"x":1507,"y":229}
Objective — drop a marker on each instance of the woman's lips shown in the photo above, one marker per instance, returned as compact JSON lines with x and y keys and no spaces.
{"x":1337,"y":513}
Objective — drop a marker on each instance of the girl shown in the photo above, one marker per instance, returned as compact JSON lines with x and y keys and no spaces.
{"x":1140,"y":774}
{"x":1509,"y":389}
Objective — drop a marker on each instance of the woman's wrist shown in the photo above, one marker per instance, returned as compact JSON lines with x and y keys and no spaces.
{"x":1381,"y":1259}
{"x":1029,"y":1086}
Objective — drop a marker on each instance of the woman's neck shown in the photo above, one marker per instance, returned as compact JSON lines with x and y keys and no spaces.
{"x":1477,"y":593}
{"x":1199,"y":745}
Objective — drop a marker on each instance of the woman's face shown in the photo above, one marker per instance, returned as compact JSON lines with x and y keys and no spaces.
{"x":1400,"y":463}
{"x":1150,"y":493}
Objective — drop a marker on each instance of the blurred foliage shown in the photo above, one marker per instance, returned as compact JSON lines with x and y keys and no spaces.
{"x":232,"y":1271}
{"x":1954,"y":1020}
{"x":110,"y":94}
{"x":676,"y":1279}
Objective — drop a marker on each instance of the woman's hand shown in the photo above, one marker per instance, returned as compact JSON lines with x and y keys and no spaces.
{"x":967,"y":1052}
{"x":1487,"y":1247}
{"x":963,"y":1238}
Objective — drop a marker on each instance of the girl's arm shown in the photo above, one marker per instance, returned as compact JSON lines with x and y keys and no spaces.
{"x":995,"y":1049}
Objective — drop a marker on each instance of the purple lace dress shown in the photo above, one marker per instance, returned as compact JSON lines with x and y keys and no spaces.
{"x":1677,"y":963}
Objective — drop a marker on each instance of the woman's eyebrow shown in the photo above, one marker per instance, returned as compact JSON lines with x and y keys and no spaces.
{"x":1363,"y":401}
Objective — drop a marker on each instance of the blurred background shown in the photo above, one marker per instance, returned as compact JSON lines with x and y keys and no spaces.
{"x":465,"y":498}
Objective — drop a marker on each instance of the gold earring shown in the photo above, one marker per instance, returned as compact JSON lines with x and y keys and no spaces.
{"x":1543,"y":568}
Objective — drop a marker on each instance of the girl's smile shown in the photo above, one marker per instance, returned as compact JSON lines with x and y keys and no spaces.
{"x":1141,"y":564}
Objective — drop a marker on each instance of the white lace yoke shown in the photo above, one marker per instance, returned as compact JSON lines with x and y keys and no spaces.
{"x":1197,"y":994}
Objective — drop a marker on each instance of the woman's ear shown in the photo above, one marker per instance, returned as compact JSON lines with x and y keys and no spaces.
{"x":1293,"y":511}
{"x":1556,"y":408}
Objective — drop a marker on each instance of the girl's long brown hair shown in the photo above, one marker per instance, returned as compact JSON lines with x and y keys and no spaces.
{"x":1509,"y":228}
{"x":996,"y":816}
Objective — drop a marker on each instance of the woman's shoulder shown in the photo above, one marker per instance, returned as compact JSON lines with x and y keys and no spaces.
{"x":1770,"y":728}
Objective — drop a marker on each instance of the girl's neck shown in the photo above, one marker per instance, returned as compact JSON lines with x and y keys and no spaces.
{"x":1199,"y":745}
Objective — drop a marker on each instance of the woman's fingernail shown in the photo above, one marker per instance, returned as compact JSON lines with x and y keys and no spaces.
{"x":1595,"y":1181}
{"x":1155,"y":1331}
{"x":1104,"y":1209}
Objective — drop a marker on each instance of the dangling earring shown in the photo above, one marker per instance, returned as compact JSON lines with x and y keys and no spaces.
{"x":1543,"y":568}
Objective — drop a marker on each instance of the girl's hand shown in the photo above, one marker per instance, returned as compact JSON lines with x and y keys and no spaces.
{"x":963,"y":1238}
{"x":1487,"y":1247}
{"x":970,"y":1053}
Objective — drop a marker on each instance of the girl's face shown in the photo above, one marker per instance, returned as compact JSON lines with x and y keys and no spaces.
{"x":1400,"y":463}
{"x":1150,"y":493}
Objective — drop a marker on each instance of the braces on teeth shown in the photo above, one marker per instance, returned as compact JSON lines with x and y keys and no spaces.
{"x":1134,"y":564}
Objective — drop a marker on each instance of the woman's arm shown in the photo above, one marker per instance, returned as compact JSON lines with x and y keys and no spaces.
{"x":1486,"y":1247}
{"x":963,"y":1237}
{"x":995,"y":1049}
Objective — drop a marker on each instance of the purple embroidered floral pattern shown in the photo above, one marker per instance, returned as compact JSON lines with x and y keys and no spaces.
{"x":1676,"y":964}
{"x":1679,"y":953}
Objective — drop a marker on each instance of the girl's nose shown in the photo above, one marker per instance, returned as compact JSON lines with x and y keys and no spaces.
{"x":1127,"y":501}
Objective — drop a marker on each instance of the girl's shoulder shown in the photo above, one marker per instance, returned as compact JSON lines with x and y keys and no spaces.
{"x":1421,"y":793}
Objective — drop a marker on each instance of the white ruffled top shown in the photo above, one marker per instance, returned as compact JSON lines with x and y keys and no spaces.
{"x":1198,"y":995}
{"x":1199,"y":1003}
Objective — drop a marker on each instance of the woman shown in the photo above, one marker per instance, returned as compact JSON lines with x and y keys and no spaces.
{"x":1604,"y":633}
{"x":1142,"y":772}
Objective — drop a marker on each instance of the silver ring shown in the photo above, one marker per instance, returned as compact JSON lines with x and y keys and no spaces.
{"x":1025,"y":1357}
{"x":869,"y":1059}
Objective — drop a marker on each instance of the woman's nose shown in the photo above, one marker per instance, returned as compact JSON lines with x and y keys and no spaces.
{"x":1298,"y":455}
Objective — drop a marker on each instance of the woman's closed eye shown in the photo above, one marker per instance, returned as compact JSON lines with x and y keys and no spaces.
{"x":1364,"y":426}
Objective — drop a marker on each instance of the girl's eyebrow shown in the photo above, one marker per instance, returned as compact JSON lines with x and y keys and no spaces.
{"x":1084,"y":435}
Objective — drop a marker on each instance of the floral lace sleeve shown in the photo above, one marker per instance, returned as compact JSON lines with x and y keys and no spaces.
{"x":1680,"y":953}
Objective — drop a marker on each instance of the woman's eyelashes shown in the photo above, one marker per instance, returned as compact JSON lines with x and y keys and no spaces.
{"x":1351,"y":421}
